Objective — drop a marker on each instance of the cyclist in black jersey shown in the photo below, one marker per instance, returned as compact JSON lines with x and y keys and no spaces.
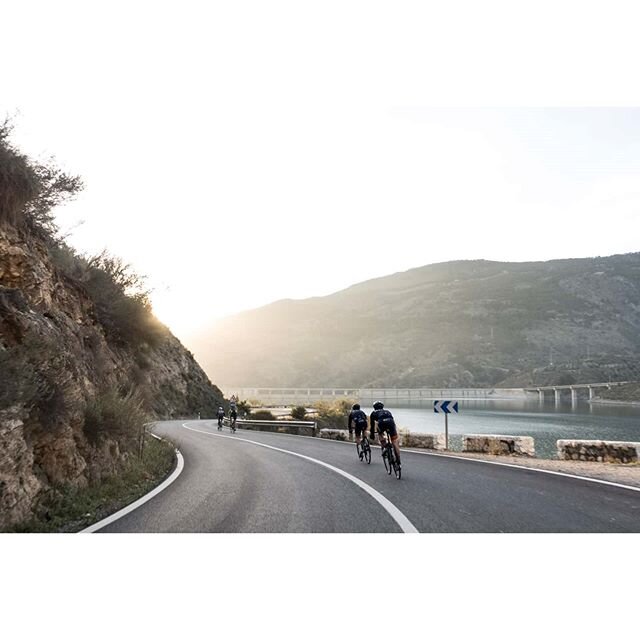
{"x":358,"y":418}
{"x":386,"y":423}
{"x":220,"y":416}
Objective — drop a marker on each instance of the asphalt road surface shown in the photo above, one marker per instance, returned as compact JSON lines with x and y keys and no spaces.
{"x":274,"y":483}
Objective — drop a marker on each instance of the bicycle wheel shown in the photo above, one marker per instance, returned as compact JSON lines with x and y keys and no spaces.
{"x":367,"y":452}
{"x":387,"y":460}
{"x":397,"y":469}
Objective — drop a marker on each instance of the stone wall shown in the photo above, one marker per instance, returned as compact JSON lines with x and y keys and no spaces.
{"x":499,"y":445}
{"x":599,"y":451}
{"x":422,"y":440}
{"x":336,"y":434}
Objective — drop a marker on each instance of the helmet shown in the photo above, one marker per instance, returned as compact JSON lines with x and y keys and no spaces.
{"x":356,"y":407}
{"x":378,"y":405}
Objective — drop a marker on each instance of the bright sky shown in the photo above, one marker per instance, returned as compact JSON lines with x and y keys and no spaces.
{"x":242,"y":152}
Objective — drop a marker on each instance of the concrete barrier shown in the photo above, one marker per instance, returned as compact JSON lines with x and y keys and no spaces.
{"x":294,"y":427}
{"x":336,"y":434}
{"x":422,"y":440}
{"x":599,"y":451}
{"x":499,"y":445}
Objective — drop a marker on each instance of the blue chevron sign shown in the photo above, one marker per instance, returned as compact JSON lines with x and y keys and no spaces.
{"x":445,"y":406}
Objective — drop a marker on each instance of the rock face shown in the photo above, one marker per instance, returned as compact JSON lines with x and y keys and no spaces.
{"x":599,"y":451}
{"x":499,"y":445}
{"x":55,"y":358}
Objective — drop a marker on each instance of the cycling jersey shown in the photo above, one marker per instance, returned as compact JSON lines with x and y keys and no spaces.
{"x":384,"y":420}
{"x":358,"y":417}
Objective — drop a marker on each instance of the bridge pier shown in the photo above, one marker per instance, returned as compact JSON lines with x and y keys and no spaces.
{"x":556,"y":395}
{"x":590,"y":393}
{"x":574,"y":397}
{"x":541,"y":396}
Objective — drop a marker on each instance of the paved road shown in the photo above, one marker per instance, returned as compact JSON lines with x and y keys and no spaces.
{"x":253,"y":482}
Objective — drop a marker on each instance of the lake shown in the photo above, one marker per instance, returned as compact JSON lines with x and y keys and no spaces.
{"x":545,"y":423}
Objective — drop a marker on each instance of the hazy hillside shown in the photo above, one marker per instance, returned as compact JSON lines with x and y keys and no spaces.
{"x":470,"y":323}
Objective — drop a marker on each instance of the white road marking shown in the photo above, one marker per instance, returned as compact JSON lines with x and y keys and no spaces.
{"x":138,"y":503}
{"x":444,"y":454}
{"x":521,"y":466}
{"x":403,"y":522}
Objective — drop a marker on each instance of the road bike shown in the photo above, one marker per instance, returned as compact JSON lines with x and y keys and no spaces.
{"x":232,"y":424}
{"x":220,"y":424}
{"x":364,"y":450}
{"x":389,"y":457}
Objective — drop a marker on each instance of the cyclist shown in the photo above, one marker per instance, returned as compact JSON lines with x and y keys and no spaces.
{"x":387,"y":424}
{"x":233,"y":413}
{"x":359,"y":420}
{"x":220,"y":415}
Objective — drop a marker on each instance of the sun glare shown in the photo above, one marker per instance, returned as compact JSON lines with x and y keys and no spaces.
{"x":181,"y":316}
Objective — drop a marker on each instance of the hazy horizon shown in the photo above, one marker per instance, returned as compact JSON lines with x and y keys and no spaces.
{"x":234,"y":179}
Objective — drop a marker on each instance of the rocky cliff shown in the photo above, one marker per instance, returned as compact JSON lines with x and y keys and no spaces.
{"x":75,"y":386}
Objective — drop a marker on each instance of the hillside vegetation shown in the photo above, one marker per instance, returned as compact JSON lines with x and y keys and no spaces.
{"x":465,"y":323}
{"x":83,"y":361}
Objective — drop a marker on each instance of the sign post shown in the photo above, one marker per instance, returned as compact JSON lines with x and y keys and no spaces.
{"x":446,"y":407}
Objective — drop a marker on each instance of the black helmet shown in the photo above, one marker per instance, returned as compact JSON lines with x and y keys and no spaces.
{"x":378,"y":405}
{"x":356,"y":407}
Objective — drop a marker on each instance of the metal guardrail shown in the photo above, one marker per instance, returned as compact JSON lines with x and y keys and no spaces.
{"x":302,"y":427}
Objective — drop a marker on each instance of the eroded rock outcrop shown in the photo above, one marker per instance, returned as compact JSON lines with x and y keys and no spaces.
{"x":55,"y":358}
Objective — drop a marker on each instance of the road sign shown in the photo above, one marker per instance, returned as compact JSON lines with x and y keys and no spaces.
{"x":445,"y":406}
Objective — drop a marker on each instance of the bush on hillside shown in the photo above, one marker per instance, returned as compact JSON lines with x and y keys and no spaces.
{"x":35,"y":376}
{"x":116,"y":415}
{"x":30,"y":190}
{"x":262,"y":414}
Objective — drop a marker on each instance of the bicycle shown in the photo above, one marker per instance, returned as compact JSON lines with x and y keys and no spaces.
{"x":220,"y":424}
{"x":364,"y":450}
{"x":232,"y":424}
{"x":389,"y":457}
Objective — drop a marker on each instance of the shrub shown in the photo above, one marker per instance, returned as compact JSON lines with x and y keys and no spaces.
{"x":122,"y":301}
{"x":298,"y":413}
{"x":244,"y":409}
{"x":333,"y":415}
{"x":30,"y":190}
{"x":262,"y":414}
{"x":112,"y":414}
{"x":36,"y":376}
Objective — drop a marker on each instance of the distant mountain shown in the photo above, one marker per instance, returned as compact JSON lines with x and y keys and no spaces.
{"x":464,"y":323}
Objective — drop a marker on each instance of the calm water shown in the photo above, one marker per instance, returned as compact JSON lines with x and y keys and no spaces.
{"x":545,"y":423}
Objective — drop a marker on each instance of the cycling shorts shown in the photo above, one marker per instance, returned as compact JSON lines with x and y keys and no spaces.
{"x":389,"y":428}
{"x":359,"y":428}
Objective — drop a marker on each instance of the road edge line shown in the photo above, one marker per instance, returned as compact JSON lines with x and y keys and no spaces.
{"x":400,"y":519}
{"x":145,"y":498}
{"x":445,"y":454}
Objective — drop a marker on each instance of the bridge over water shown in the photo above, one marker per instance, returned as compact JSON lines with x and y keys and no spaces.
{"x":573,"y":389}
{"x":308,"y":395}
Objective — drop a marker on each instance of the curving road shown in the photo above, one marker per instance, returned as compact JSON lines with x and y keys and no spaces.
{"x":264,"y":482}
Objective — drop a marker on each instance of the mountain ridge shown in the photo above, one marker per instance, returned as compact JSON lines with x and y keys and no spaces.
{"x":458,"y":323}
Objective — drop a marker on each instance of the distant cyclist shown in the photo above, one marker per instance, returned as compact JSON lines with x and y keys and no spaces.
{"x":358,"y":418}
{"x":233,"y":413}
{"x":386,"y":424}
{"x":220,"y":415}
